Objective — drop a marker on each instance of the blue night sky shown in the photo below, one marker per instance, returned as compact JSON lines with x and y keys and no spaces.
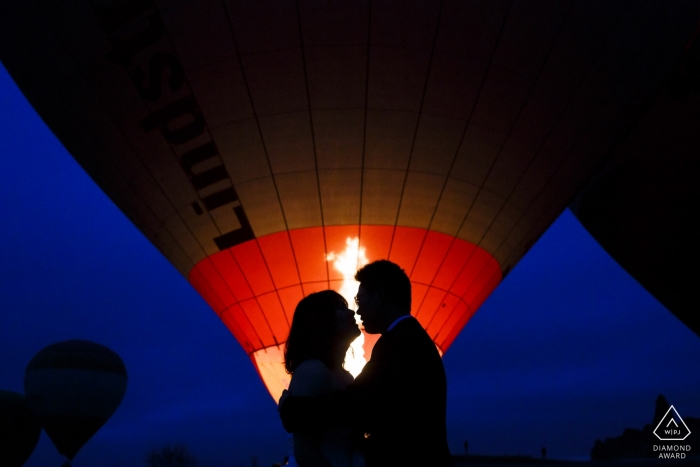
{"x":569,"y":348}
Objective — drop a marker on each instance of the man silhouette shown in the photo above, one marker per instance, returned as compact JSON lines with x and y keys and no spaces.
{"x":399,"y":399}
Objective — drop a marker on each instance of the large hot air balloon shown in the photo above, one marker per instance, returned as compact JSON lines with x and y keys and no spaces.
{"x":19,"y":429}
{"x":73,"y":387}
{"x":269,"y":148}
{"x":643,"y":207}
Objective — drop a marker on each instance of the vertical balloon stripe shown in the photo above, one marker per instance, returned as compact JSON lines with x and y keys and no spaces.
{"x":449,"y":305}
{"x":277,"y":250}
{"x":250,"y":260}
{"x":235,"y":318}
{"x":376,"y":239}
{"x":481,"y":275}
{"x":460,"y":313}
{"x":418,"y":293}
{"x":237,"y":282}
{"x":455,"y":327}
{"x":488,"y":281}
{"x":259,"y":321}
{"x":471,"y":268}
{"x":243,"y":332}
{"x":432,"y":303}
{"x":310,"y":254}
{"x":271,"y":305}
{"x":405,"y":247}
{"x":270,"y":365}
{"x":432,"y":252}
{"x":203,"y":281}
{"x":289,"y":297}
{"x":453,"y":263}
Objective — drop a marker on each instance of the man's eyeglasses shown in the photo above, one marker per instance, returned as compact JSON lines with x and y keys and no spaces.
{"x":357,"y":299}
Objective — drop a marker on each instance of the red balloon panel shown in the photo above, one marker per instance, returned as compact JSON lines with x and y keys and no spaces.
{"x":460,"y":314}
{"x":284,"y":269}
{"x":310,"y":254}
{"x":242,"y":330}
{"x":210,"y":285}
{"x":434,"y":303}
{"x":235,"y":279}
{"x":274,"y":315}
{"x":252,"y":312}
{"x":453,"y":264}
{"x":289,"y":297}
{"x":376,"y":239}
{"x":406,"y":246}
{"x":432,"y":254}
{"x":472,"y":267}
{"x":481,"y":288}
{"x":257,"y":273}
{"x":418,"y":293}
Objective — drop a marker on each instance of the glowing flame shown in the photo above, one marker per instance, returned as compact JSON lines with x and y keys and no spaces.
{"x":347,"y":263}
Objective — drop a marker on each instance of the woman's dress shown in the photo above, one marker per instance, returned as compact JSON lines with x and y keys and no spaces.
{"x":313,"y":378}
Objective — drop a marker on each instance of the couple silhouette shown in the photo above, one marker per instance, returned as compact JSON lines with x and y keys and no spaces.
{"x":393,"y":413}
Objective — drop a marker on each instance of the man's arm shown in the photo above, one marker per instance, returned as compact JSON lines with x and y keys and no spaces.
{"x":304,"y":414}
{"x":350,"y":407}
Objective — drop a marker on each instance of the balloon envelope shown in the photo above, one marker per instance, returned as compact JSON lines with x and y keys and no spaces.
{"x":251,"y":140}
{"x":19,"y":429}
{"x":73,"y":388}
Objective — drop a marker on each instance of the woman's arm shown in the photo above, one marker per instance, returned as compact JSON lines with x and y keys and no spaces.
{"x":311,"y":378}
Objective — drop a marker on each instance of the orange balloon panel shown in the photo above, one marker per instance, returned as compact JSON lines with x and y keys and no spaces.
{"x":255,"y":286}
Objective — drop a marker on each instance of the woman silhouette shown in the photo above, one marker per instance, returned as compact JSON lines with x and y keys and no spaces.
{"x":322,"y":329}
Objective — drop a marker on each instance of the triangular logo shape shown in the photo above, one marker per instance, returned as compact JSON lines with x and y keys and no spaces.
{"x":671,"y":427}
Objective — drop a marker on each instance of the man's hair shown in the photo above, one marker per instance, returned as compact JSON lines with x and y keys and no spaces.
{"x":313,"y":334}
{"x":390,"y":278}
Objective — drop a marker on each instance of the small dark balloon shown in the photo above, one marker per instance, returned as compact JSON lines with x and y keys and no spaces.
{"x":19,"y":429}
{"x":73,"y":388}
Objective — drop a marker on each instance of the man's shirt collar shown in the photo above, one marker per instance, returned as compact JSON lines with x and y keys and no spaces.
{"x":396,"y":321}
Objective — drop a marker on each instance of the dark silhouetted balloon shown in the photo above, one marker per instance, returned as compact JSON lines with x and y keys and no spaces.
{"x":73,"y":388}
{"x":19,"y":429}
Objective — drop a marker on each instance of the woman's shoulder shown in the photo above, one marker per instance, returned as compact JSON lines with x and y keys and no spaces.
{"x":312,"y":366}
{"x":311,"y":378}
{"x":344,"y":376}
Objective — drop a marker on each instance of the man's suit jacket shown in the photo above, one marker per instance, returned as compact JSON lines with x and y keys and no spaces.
{"x":399,"y":401}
